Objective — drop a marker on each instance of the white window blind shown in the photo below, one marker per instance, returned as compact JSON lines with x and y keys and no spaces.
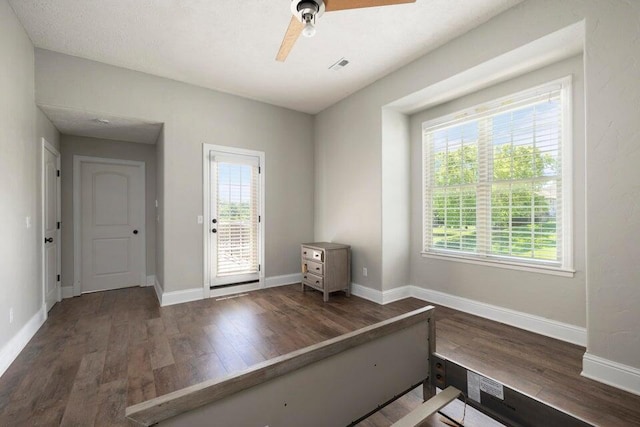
{"x":497,"y":180}
{"x":237,"y":208}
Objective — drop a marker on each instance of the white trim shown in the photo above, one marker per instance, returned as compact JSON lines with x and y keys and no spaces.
{"x":367,"y":293}
{"x":206,"y":209}
{"x":501,"y":263}
{"x":12,"y":349}
{"x":381,"y":297}
{"x":539,"y":325}
{"x":612,"y":373}
{"x":178,"y":297}
{"x":67,"y":292}
{"x":158,"y":288}
{"x":47,"y":146}
{"x":285,"y":279}
{"x":151,"y":280}
{"x":564,"y":85}
{"x":77,"y":257}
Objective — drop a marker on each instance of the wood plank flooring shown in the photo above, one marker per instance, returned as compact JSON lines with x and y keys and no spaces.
{"x":99,"y":353}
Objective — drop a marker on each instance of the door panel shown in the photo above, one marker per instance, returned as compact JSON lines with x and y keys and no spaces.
{"x":235,"y":208}
{"x":112,"y":225}
{"x":51,"y":232}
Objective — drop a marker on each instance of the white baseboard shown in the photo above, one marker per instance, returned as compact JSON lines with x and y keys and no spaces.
{"x":151,"y":280}
{"x":539,"y":325}
{"x":381,"y":297}
{"x":529,"y":322}
{"x":611,"y":373}
{"x":367,"y":293}
{"x":158,"y":288}
{"x":178,"y":297}
{"x":12,"y":349}
{"x":286,"y":279}
{"x":67,"y":292}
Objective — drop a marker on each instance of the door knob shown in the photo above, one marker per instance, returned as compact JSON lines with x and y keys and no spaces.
{"x":215,"y":220}
{"x":135,"y":231}
{"x":49,"y":240}
{"x":214,"y":231}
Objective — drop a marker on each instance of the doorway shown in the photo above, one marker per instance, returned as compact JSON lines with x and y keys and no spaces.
{"x":50,"y":225}
{"x":109,"y":224}
{"x":234,"y":206}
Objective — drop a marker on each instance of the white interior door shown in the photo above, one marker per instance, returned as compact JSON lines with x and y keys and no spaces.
{"x":112,"y":225}
{"x":235,"y":219}
{"x":51,"y":226}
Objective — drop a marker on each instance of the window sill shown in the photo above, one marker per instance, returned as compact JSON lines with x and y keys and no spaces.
{"x":511,"y":265}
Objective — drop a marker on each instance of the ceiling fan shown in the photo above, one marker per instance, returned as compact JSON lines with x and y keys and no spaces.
{"x":306,"y":12}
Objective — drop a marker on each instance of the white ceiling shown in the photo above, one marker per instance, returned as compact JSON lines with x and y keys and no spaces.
{"x":85,"y":123}
{"x":230,"y":45}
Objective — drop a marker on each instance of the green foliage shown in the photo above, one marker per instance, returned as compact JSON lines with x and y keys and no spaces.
{"x":234,"y":211}
{"x":522,"y":220}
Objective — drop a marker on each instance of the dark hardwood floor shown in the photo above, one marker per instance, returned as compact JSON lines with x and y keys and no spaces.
{"x":99,"y":353}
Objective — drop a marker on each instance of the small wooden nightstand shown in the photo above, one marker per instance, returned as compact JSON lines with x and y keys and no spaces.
{"x":326,"y":267}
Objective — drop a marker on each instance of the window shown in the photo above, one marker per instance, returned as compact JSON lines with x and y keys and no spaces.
{"x":497,"y":181}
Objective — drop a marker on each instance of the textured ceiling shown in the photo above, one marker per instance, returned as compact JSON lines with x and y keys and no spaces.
{"x":230,"y":45}
{"x":84,"y":123}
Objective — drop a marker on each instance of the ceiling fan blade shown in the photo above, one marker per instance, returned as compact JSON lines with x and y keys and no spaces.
{"x":332,"y":5}
{"x":290,"y":37}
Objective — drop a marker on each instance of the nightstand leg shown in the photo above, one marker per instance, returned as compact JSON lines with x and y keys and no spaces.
{"x":302,"y":287}
{"x":348,"y":291}
{"x":326,"y":296}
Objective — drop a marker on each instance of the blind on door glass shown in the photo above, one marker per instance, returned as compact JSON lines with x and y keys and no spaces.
{"x":237,"y":216}
{"x":493,"y":179}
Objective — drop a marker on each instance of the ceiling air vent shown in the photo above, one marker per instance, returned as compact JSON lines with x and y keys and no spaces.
{"x":339,"y":65}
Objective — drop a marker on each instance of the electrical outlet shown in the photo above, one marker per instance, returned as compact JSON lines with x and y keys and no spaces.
{"x":27,"y":221}
{"x":364,"y":271}
{"x":156,"y":203}
{"x":11,"y":315}
{"x":200,"y":219}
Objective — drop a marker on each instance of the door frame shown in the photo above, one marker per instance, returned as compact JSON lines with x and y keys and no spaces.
{"x":206,"y":208}
{"x":77,"y":213}
{"x":46,"y":145}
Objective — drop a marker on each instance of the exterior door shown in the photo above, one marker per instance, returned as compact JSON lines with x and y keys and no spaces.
{"x":235,"y":219}
{"x":112,"y":198}
{"x":51,"y":211}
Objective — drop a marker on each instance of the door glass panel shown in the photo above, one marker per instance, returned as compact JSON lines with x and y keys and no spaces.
{"x":236,"y":188}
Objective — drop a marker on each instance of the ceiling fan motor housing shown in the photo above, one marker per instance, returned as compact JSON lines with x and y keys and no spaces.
{"x":307,"y":10}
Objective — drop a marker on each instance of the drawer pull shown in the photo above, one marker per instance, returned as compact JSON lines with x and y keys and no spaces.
{"x":317,"y":282}
{"x":317,"y":268}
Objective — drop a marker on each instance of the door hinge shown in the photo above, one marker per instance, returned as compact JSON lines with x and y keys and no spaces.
{"x":259,"y":218}
{"x":259,"y":169}
{"x":58,"y":277}
{"x":259,"y":267}
{"x":58,"y":225}
{"x":58,"y":173}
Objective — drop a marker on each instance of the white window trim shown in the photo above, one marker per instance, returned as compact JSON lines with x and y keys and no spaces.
{"x":535,"y":266}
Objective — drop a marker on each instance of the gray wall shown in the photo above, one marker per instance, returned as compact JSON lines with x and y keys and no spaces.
{"x":159,"y":211}
{"x":22,"y":126}
{"x":553,"y":297}
{"x":348,"y":139}
{"x":93,"y":147}
{"x":193,"y":116}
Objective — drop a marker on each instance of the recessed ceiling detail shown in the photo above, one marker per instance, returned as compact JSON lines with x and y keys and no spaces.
{"x":229,"y":45}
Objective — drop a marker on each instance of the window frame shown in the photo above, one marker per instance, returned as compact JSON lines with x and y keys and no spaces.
{"x":476,"y":112}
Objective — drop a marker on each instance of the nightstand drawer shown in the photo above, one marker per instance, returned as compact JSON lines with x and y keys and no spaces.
{"x":312,"y":267}
{"x":313,"y":280}
{"x":313,"y":254}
